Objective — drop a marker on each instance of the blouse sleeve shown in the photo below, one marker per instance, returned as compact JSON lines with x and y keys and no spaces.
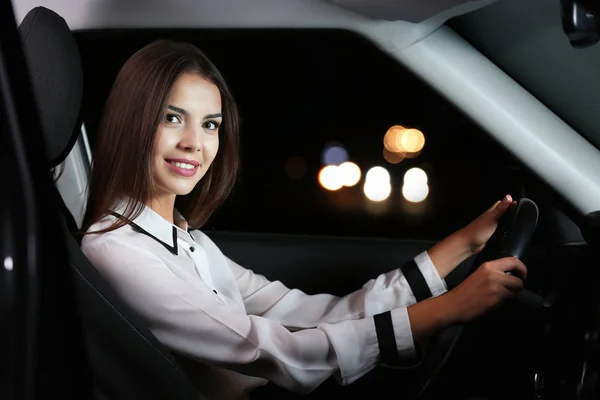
{"x":297,"y":310}
{"x":199,"y":325}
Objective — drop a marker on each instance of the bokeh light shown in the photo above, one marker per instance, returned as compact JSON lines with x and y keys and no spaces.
{"x":377,"y":184}
{"x":377,"y":190}
{"x":412,"y":155}
{"x":415,"y":188}
{"x":412,"y":140}
{"x":334,"y":154}
{"x":400,"y":143}
{"x":378,"y":174}
{"x":392,"y":157}
{"x":350,"y":173}
{"x":415,"y":192}
{"x":330,"y":177}
{"x":393,"y":139}
{"x":416,"y":176}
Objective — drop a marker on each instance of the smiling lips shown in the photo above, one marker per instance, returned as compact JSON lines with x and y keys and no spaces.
{"x":182,"y":166}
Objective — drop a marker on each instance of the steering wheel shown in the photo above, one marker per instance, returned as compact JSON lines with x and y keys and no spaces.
{"x":514,"y":233}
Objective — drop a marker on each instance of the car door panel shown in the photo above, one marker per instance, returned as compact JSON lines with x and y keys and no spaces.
{"x":317,"y":264}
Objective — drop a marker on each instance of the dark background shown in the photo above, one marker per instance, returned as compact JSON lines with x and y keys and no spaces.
{"x":301,"y":89}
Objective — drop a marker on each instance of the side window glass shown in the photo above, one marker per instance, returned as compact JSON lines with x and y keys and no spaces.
{"x":337,"y":137}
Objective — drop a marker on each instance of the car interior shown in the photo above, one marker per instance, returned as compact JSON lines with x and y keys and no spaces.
{"x":64,"y":329}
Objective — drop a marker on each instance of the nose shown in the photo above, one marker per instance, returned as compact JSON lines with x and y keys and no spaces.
{"x":191,"y":141}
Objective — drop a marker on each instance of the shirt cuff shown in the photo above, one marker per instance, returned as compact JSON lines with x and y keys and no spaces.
{"x":436,"y":284}
{"x":403,"y":333}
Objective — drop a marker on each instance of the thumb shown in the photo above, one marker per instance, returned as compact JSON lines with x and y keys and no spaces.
{"x":494,"y":206}
{"x":502,"y":206}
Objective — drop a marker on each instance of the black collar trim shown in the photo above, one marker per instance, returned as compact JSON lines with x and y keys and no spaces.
{"x":139,"y":229}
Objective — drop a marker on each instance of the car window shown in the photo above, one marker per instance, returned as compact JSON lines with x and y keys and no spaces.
{"x":310,"y":98}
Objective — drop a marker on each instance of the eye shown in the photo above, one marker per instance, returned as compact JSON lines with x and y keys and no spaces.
{"x":172,"y":119}
{"x":211,"y":125}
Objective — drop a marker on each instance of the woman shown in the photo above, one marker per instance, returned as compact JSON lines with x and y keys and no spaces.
{"x":170,"y":133}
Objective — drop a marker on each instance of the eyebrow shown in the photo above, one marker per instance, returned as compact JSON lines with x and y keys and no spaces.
{"x":184,"y":112}
{"x":177,"y":109}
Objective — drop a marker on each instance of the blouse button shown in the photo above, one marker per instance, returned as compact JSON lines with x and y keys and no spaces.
{"x":192,"y":248}
{"x":215,"y":291}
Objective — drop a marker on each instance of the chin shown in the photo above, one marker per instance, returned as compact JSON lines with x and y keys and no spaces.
{"x":183,"y":191}
{"x":178,"y":190}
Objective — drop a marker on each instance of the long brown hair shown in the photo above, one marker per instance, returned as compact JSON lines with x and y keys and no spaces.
{"x":121,"y":166}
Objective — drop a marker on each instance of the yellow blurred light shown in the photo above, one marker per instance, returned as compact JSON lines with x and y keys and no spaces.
{"x":412,"y":155}
{"x":392,"y":157}
{"x":414,"y":192}
{"x":350,"y":173}
{"x":392,"y":139}
{"x":378,"y":174}
{"x":412,"y":140}
{"x":330,"y":177}
{"x":377,"y":190}
{"x":416,"y":176}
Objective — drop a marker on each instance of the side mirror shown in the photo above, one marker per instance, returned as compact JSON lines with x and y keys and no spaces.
{"x":581,"y":21}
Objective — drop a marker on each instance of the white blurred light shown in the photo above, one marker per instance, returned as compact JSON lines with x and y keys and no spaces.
{"x":378,"y":174}
{"x":8,"y":263}
{"x":377,"y":190}
{"x":414,"y":192}
{"x":350,"y":173}
{"x":334,"y":155}
{"x":330,"y":177}
{"x":415,"y":176}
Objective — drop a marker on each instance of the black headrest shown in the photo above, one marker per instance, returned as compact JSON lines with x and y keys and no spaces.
{"x":55,"y":68}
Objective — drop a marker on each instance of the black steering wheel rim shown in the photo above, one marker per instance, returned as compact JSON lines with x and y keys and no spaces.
{"x":513,"y":228}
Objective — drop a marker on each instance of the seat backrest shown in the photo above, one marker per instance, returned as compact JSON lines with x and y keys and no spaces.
{"x":126,"y":359}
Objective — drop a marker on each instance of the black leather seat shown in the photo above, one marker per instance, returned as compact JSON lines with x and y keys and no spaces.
{"x":126,"y":360}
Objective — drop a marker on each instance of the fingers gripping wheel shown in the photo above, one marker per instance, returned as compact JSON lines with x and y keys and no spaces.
{"x":515,"y":230}
{"x":511,"y":239}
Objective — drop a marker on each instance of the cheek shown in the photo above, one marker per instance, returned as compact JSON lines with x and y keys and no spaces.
{"x":214,"y":148}
{"x":166,"y":139}
{"x":159,"y":140}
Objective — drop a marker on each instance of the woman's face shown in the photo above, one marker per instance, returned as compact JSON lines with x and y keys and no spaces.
{"x":187,"y":139}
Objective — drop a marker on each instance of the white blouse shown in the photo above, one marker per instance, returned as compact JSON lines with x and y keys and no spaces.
{"x":234,"y":330}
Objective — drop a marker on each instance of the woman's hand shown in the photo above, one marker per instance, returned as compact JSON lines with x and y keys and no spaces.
{"x":470,"y":240}
{"x":485,"y":288}
{"x":481,"y":229}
